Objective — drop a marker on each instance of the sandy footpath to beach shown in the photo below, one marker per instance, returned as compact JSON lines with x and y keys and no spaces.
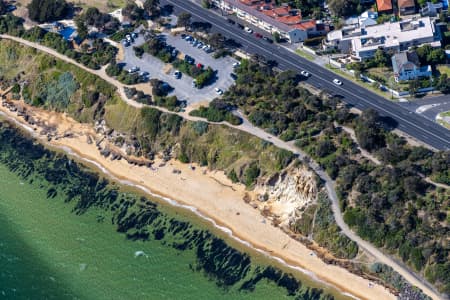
{"x":213,"y":194}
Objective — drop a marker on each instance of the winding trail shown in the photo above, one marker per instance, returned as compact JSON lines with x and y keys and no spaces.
{"x":247,"y":127}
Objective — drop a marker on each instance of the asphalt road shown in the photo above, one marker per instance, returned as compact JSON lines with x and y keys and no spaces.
{"x":412,"y":124}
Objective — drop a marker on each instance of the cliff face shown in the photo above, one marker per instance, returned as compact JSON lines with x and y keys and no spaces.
{"x":286,"y":195}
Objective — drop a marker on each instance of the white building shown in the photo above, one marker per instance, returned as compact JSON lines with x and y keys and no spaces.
{"x":362,"y":42}
{"x":258,"y":15}
{"x":406,"y":66}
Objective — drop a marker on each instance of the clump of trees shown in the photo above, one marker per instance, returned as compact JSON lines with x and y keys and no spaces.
{"x":217,"y":111}
{"x":389,"y":204}
{"x":42,"y":11}
{"x":93,"y":17}
{"x":3,"y":7}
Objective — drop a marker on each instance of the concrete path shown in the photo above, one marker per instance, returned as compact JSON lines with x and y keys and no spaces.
{"x":246,"y":126}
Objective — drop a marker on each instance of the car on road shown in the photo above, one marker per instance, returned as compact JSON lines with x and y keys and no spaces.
{"x":248,"y":30}
{"x":231,"y":21}
{"x":337,"y":81}
{"x":241,"y":26}
{"x":304,"y":73}
{"x":258,"y":35}
{"x":177,"y":74}
{"x":133,"y":69}
{"x":219,"y":91}
{"x":269,"y":40}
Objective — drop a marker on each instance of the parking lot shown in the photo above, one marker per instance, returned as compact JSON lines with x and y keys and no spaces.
{"x":183,"y":88}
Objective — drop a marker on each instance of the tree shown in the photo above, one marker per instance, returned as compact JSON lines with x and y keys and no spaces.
{"x":81,"y":28}
{"x":276,"y":37}
{"x":133,"y":12}
{"x":206,"y":4}
{"x":368,"y":130}
{"x":443,"y":84}
{"x":413,"y":86}
{"x":381,"y":58}
{"x":151,"y":7}
{"x":3,"y":7}
{"x":184,"y":19}
{"x":47,"y":10}
{"x":343,"y":8}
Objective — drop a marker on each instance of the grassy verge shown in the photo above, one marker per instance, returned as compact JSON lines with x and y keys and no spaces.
{"x":304,"y":54}
{"x":385,"y":95}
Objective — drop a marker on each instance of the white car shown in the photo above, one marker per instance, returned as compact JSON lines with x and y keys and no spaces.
{"x":236,"y":64}
{"x":304,"y":73}
{"x":219,"y":91}
{"x":133,"y":70}
{"x":337,"y":81}
{"x":248,"y":30}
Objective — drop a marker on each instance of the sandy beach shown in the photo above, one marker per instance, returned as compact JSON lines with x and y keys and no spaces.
{"x":213,"y":194}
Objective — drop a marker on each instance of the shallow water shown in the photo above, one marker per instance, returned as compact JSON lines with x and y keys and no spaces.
{"x":67,"y":233}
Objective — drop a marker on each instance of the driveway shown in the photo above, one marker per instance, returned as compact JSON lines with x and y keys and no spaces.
{"x":182,"y":87}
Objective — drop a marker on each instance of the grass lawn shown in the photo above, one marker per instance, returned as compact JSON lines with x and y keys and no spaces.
{"x":368,"y":86}
{"x":444,"y":69}
{"x":304,"y":54}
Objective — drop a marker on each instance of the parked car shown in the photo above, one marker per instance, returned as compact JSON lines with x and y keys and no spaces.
{"x":219,"y":91}
{"x":337,"y":81}
{"x":269,"y":40}
{"x":233,"y":76}
{"x":304,"y":73}
{"x":144,"y":74}
{"x":134,"y":35}
{"x":248,"y":30}
{"x":200,"y":45}
{"x":236,"y":64}
{"x":177,"y":74}
{"x":183,"y":36}
{"x":133,"y":70}
{"x":194,"y":83}
{"x":258,"y":35}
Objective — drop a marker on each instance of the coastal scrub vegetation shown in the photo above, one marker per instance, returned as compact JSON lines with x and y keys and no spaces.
{"x":43,"y":11}
{"x":389,"y":201}
{"x":94,"y":55}
{"x":141,"y":220}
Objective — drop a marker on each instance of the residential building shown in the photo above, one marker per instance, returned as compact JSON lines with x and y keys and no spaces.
{"x":384,"y":6}
{"x":406,"y":7}
{"x":265,"y":14}
{"x":406,"y":66}
{"x":362,"y":42}
{"x":431,"y":9}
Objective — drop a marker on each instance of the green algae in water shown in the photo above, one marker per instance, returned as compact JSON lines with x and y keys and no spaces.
{"x":67,"y":233}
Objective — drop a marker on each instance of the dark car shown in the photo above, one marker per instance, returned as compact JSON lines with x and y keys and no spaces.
{"x":258,"y":35}
{"x":269,"y":40}
{"x":233,"y":76}
{"x":231,"y":21}
{"x":241,"y":26}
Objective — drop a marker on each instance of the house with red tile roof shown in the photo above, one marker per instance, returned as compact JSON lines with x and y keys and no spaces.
{"x":406,"y":7}
{"x":384,"y":6}
{"x":266,"y":15}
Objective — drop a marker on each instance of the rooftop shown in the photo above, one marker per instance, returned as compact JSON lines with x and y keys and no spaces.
{"x":384,"y":5}
{"x":406,"y":3}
